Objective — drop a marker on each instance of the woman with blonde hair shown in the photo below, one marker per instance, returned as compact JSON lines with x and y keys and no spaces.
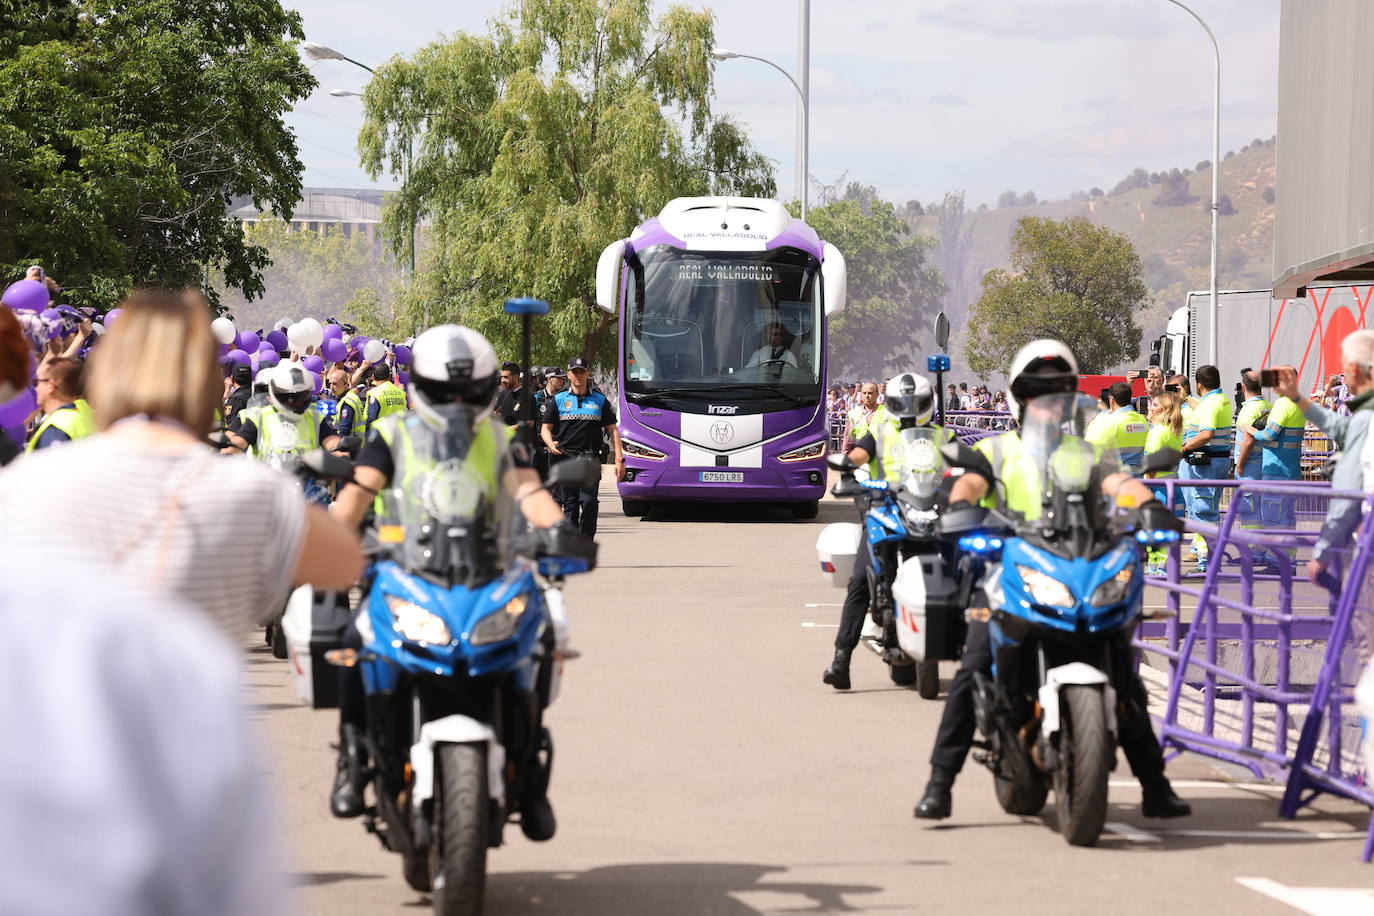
{"x":148,"y":495}
{"x":1166,"y":431}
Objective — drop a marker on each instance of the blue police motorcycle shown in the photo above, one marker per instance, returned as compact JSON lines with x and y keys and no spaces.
{"x":1062,"y":599}
{"x":912,"y":590}
{"x":464,"y":637}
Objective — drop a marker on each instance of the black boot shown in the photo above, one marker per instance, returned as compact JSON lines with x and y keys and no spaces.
{"x":347,"y":798}
{"x":837,"y":675}
{"x":1159,"y":800}
{"x":536,"y":818}
{"x":936,"y":803}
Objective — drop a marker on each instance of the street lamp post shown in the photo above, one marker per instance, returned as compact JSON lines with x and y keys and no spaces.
{"x":1216,"y":173}
{"x":316,"y":51}
{"x":802,"y":165}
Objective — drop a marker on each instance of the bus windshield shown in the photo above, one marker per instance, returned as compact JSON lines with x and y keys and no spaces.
{"x":703,"y":321}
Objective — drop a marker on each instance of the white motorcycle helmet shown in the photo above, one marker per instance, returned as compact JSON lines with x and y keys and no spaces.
{"x":454,"y":373}
{"x":908,"y":396}
{"x":290,"y":388}
{"x":1041,"y":367}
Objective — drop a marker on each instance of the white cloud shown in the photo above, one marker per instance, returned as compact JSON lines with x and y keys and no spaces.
{"x":1049,"y":22}
{"x":948,"y":100}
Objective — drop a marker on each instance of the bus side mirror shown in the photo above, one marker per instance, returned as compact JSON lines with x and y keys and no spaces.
{"x":835,"y":275}
{"x":608,"y":276}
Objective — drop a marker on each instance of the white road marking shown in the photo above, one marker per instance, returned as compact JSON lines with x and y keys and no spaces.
{"x":1202,"y":784}
{"x":1318,"y":901}
{"x":822,"y":605}
{"x":824,"y":626}
{"x":1134,"y":834}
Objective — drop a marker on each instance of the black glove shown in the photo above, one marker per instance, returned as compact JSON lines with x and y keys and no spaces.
{"x":1155,"y":516}
{"x":563,"y":540}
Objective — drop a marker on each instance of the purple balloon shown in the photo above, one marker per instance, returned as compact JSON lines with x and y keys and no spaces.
{"x":319,"y":381}
{"x":403,"y":379}
{"x":267,"y":357}
{"x":402,"y":354}
{"x":333,"y":332}
{"x":335,"y":350}
{"x":50,"y":314}
{"x":26,"y":296}
{"x":239,"y":358}
{"x":111,"y":316}
{"x":14,"y":412}
{"x":248,"y":342}
{"x":278,"y":341}
{"x":313,"y":363}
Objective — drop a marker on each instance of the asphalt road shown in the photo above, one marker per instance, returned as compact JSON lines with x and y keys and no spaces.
{"x":703,"y":768}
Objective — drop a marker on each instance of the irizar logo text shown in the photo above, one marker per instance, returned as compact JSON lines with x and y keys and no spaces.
{"x":728,"y":409}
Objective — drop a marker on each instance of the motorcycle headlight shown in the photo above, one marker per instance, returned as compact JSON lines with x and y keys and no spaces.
{"x":919,"y":519}
{"x":501,"y":623}
{"x":640,"y":450}
{"x":416,"y":624}
{"x":1043,"y":589}
{"x":805,"y":453}
{"x":1114,"y":589}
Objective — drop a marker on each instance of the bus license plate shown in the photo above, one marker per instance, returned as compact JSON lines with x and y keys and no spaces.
{"x":722,"y":477}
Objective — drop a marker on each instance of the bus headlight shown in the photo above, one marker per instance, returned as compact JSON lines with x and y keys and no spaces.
{"x":639,"y":450}
{"x":805,"y":453}
{"x":416,"y":624}
{"x":499,"y":624}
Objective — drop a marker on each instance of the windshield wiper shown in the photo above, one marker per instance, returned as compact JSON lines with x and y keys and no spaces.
{"x":775,"y":390}
{"x":709,"y":390}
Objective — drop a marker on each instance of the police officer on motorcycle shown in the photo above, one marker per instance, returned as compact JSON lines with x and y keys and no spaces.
{"x":909,"y":401}
{"x":453,"y":379}
{"x":1042,"y":367}
{"x":286,"y":427}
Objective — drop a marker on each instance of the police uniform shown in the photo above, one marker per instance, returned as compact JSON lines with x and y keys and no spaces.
{"x":1254,"y":411}
{"x":350,"y":419}
{"x":272,"y":435}
{"x":1019,"y":476}
{"x":881,"y":439}
{"x":578,"y":421}
{"x":65,"y":424}
{"x":1213,"y":460}
{"x":1124,"y":430}
{"x":1281,"y":441}
{"x":384,"y":399}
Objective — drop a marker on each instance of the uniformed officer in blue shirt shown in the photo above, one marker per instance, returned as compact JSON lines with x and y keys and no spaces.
{"x":571,"y":424}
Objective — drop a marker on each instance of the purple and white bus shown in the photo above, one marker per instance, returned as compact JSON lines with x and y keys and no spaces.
{"x":722,"y":305}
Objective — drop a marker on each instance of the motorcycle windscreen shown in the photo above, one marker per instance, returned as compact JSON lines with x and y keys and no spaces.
{"x":922,"y":466}
{"x":446,"y":507}
{"x":1057,"y":434}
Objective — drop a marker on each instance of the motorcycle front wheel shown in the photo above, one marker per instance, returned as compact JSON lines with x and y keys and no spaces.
{"x":459,"y":853}
{"x":1085,"y":759}
{"x":928,"y":679}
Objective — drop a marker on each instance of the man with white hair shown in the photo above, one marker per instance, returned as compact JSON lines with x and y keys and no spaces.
{"x":1348,"y":433}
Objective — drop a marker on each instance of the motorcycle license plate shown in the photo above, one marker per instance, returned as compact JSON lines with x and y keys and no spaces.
{"x":722,"y":477}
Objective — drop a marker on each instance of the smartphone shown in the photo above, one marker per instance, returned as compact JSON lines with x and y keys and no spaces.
{"x":1173,"y":388}
{"x":1269,"y":378}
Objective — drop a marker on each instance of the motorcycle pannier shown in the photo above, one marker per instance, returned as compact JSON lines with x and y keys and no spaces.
{"x":313,"y":624}
{"x":837,"y":546}
{"x":929,"y":610}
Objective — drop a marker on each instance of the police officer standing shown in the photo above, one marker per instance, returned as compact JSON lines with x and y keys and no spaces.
{"x":237,"y":400}
{"x":909,"y":401}
{"x":66,"y":417}
{"x":348,"y":404}
{"x":1281,"y":441}
{"x":571,"y":425}
{"x":1207,"y":452}
{"x":555,"y":378}
{"x":385,"y":398}
{"x":1123,"y":429}
{"x":1254,"y":411}
{"x":1042,"y":367}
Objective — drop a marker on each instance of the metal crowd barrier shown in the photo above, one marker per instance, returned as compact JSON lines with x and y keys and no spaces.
{"x":1259,"y":669}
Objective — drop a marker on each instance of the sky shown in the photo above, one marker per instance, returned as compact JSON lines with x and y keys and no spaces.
{"x":914,"y":97}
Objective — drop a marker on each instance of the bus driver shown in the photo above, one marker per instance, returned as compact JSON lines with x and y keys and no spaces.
{"x":775,"y":352}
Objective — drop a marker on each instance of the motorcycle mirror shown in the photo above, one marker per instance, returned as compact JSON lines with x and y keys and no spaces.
{"x":1166,"y":459}
{"x":219,"y":440}
{"x":327,"y":465}
{"x":351,"y":444}
{"x":575,"y":472}
{"x":839,"y":462}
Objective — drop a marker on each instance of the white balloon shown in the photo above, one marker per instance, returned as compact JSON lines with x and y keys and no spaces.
{"x":223,"y":329}
{"x":313,"y":332}
{"x":295,"y":335}
{"x":282,"y":324}
{"x":373,"y":351}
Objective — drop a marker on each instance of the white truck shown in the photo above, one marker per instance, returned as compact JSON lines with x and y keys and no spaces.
{"x":1257,"y":331}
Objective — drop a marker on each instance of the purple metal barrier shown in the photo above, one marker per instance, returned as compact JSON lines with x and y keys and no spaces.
{"x":1263,"y":673}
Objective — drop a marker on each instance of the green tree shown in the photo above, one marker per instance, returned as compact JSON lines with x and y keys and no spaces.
{"x":533,"y":146}
{"x":318,"y":274}
{"x":892,"y":290}
{"x":126,"y":127}
{"x":1070,"y":280}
